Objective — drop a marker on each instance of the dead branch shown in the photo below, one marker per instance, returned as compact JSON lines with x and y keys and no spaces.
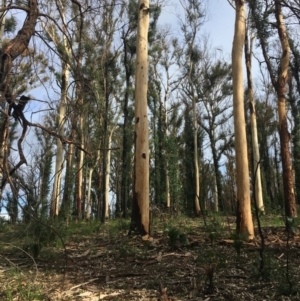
{"x":62,"y":139}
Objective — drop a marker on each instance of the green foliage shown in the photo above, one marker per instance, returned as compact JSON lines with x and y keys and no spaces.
{"x":176,"y":237}
{"x":3,"y":225}
{"x":10,"y":24}
{"x":117,"y":226}
{"x":292,"y":224}
{"x":238,"y":241}
{"x":21,"y":289}
{"x":208,"y":264}
{"x":40,"y":235}
{"x":127,"y":249}
{"x":214,"y":228}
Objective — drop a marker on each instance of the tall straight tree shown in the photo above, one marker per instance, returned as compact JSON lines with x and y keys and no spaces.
{"x":279,"y":78}
{"x":63,"y":47}
{"x":244,"y":217}
{"x":194,"y":18}
{"x":140,"y":204}
{"x":294,"y":92}
{"x":288,"y":179}
{"x":254,"y":136}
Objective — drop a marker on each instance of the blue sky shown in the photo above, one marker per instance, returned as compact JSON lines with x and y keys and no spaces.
{"x":219,"y":24}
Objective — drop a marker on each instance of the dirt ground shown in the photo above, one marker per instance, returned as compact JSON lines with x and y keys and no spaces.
{"x":182,"y":262}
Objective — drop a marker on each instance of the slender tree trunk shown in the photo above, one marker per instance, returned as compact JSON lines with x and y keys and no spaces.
{"x":5,"y":124}
{"x":105,"y":144}
{"x":196,"y":162}
{"x":295,"y":110}
{"x":244,"y":217}
{"x":79,"y":176}
{"x":296,"y":138}
{"x":217,"y":174}
{"x":126,"y":149}
{"x":168,"y":197}
{"x":254,"y":136}
{"x":59,"y":146}
{"x":216,"y":195}
{"x":68,"y":183}
{"x":107,"y":175}
{"x":279,"y":85}
{"x":140,"y":207}
{"x":89,"y":201}
{"x":288,"y":179}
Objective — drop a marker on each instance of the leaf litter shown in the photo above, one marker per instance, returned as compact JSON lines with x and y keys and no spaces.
{"x":102,"y":267}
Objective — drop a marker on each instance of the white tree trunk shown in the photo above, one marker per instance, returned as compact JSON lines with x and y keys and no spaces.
{"x":59,"y":146}
{"x":107,"y":175}
{"x":89,"y":201}
{"x":254,"y":136}
{"x":80,"y":166}
{"x":56,"y":192}
{"x":244,"y":218}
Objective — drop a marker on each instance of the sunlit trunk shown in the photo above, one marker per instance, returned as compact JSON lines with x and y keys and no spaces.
{"x":140,"y":207}
{"x":244,"y":216}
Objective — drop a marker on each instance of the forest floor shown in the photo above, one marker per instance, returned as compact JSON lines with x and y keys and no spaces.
{"x":185,"y":260}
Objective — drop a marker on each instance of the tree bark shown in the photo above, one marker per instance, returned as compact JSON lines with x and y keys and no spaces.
{"x":287,"y":173}
{"x":107,"y":174}
{"x":140,"y":207}
{"x":79,"y":176}
{"x":279,"y":84}
{"x":59,"y":146}
{"x":8,"y":54}
{"x":68,"y":182}
{"x":196,"y":163}
{"x":254,"y":136}
{"x":168,"y":196}
{"x":126,"y":147}
{"x":55,"y":199}
{"x":244,"y":217}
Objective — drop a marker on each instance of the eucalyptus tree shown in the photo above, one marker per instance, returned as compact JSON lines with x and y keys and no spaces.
{"x":244,"y":216}
{"x":129,"y":41}
{"x":293,"y":96}
{"x":103,"y":90}
{"x":173,"y":144}
{"x":140,"y":221}
{"x":162,"y":71}
{"x":109,"y":72}
{"x":213,"y":86}
{"x":194,"y":18}
{"x":267,"y":129}
{"x":128,"y":36}
{"x":58,"y":36}
{"x":254,"y":137}
{"x":277,"y":64}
